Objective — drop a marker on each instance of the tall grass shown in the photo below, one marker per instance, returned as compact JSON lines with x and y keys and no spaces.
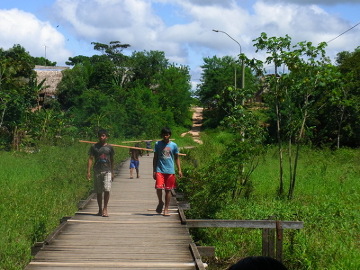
{"x":37,"y":190}
{"x":326,"y":199}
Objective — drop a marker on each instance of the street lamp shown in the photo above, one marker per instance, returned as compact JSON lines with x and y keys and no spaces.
{"x":242,"y":79}
{"x":242,"y":62}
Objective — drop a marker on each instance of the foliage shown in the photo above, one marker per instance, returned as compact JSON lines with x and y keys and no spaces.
{"x":295,"y":97}
{"x":328,"y":187}
{"x":129,"y":95}
{"x":217,"y":89}
{"x":343,"y":106}
{"x":18,"y":92}
{"x":132,"y":96}
{"x":38,"y":189}
{"x":42,"y":61}
{"x":221,"y":167}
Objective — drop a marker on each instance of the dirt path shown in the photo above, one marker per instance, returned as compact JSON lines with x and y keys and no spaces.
{"x":196,"y":124}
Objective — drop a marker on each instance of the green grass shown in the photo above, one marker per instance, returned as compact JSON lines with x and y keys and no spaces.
{"x":40,"y":188}
{"x":37,"y":190}
{"x":326,"y":199}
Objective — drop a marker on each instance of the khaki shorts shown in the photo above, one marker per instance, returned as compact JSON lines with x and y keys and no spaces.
{"x":102,"y":182}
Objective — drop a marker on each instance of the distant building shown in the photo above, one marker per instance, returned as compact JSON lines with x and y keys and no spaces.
{"x":52,"y":76}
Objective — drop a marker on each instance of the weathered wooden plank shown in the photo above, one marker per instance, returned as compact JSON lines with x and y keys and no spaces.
{"x":194,"y":251}
{"x":279,"y":241}
{"x":82,"y":204}
{"x":129,"y":239}
{"x":256,"y":224}
{"x":116,"y":264}
{"x":182,"y":216}
{"x":164,"y":258}
{"x":122,"y":222}
{"x":57,"y":231}
{"x":265,"y":242}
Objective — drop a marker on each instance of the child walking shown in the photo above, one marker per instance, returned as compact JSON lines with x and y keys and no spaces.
{"x":166,"y":155}
{"x":134,"y":161}
{"x":101,"y":155}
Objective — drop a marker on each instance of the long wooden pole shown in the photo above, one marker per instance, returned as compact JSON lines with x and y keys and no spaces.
{"x":125,"y":146}
{"x":145,"y":141}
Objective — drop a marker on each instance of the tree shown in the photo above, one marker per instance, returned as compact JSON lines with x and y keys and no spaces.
{"x":147,"y":67}
{"x":80,"y":59}
{"x":217,"y":75}
{"x":128,"y":94}
{"x":42,"y":61}
{"x":294,"y":96}
{"x":348,"y":98}
{"x":18,"y":92}
{"x":175,"y":80}
{"x":275,"y":47}
{"x":73,"y":84}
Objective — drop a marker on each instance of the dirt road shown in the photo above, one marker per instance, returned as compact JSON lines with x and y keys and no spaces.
{"x":197,"y":118}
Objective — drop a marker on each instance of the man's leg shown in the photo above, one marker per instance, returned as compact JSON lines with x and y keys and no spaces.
{"x":167,"y":202}
{"x":161,"y":203}
{"x":99,"y":201}
{"x":131,"y":173}
{"x":107,"y":187}
{"x":106,"y":200}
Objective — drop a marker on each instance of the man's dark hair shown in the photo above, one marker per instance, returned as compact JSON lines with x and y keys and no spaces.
{"x":166,"y":130}
{"x":103,"y":131}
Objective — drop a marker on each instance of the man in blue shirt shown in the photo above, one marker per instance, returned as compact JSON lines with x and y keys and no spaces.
{"x":166,"y":155}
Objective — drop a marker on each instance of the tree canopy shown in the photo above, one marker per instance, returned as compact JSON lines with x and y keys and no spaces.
{"x":131,"y":96}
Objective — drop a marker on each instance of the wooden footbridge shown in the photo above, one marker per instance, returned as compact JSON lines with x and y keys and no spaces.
{"x":134,"y":236}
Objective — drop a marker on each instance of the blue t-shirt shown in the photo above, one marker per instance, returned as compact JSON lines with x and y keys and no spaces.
{"x":166,"y":153}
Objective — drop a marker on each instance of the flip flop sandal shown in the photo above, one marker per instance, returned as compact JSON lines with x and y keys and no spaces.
{"x":159,"y":208}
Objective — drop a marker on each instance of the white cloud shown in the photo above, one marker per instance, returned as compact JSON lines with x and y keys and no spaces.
{"x":310,"y":23}
{"x":105,"y":21}
{"x":37,"y":37}
{"x":180,"y":28}
{"x":316,"y":2}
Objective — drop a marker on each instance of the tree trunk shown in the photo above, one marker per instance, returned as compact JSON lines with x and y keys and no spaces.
{"x":2,"y":117}
{"x":298,"y":139}
{"x":339,"y":127}
{"x":278,"y":129}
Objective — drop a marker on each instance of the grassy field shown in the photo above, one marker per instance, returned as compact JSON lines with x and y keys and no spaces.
{"x":37,"y":190}
{"x":326,"y":199}
{"x":40,"y":188}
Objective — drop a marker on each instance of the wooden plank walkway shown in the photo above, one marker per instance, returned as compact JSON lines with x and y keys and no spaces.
{"x":134,"y":236}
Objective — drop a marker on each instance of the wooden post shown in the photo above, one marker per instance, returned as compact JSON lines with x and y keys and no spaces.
{"x":197,"y":258}
{"x":268,"y":243}
{"x":272,"y":230}
{"x":268,"y":238}
{"x":265,"y":242}
{"x":279,"y":241}
{"x":272,"y":242}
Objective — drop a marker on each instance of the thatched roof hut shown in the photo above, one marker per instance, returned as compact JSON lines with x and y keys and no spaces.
{"x":53,"y":76}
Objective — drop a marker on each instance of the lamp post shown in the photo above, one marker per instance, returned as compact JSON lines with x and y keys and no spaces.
{"x":242,"y":82}
{"x":242,"y":62}
{"x":45,"y":54}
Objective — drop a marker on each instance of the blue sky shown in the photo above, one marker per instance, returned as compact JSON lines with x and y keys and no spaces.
{"x":181,"y":28}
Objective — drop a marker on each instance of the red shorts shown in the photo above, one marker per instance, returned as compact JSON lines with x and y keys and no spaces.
{"x":165,"y":181}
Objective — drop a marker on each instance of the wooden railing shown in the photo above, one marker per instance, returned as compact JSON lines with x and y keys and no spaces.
{"x":272,"y":231}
